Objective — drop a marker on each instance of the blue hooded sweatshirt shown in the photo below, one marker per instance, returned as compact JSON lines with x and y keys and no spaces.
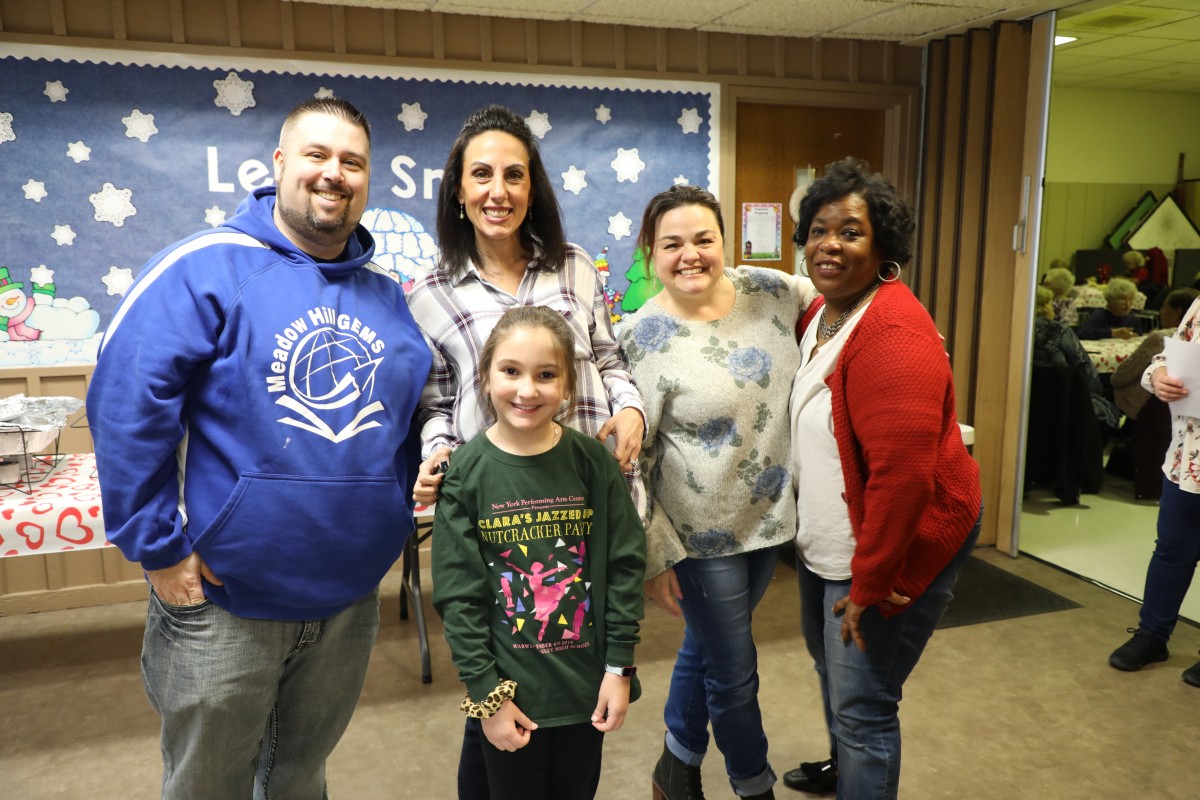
{"x":254,"y":405}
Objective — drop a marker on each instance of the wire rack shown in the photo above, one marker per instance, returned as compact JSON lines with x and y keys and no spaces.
{"x":33,"y":466}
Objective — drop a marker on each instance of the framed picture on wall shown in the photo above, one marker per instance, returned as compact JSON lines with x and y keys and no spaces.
{"x":1140,"y":210}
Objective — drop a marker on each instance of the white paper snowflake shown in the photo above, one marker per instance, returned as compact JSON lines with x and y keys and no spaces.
{"x":6,"y":131}
{"x":139,"y":126}
{"x":41,"y":274}
{"x":63,"y":235}
{"x":34,"y":190}
{"x":118,"y":280}
{"x":323,"y":93}
{"x":79,"y":152}
{"x":539,"y":123}
{"x":689,"y":120}
{"x":412,"y":116}
{"x":234,"y":93}
{"x":603,"y":114}
{"x":214,"y":216}
{"x":112,"y":204}
{"x":56,"y":91}
{"x":680,"y":180}
{"x":574,"y":180}
{"x":620,"y":225}
{"x":628,"y":164}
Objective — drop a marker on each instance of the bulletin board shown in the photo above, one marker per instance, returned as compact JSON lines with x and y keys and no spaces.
{"x":110,"y":157}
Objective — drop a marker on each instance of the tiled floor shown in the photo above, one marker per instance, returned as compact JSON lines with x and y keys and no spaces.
{"x":1021,"y":708}
{"x":1108,"y":538}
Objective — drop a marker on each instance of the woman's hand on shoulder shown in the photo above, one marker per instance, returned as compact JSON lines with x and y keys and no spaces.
{"x":429,"y":477}
{"x":628,"y":426}
{"x":508,"y":729}
{"x":663,"y":591}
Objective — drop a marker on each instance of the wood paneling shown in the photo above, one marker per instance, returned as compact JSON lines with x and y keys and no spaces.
{"x":1077,"y":216}
{"x":975,"y":149}
{"x":774,"y":141}
{"x":963,"y":328}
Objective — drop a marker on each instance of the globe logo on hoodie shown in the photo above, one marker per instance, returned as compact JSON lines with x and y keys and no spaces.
{"x":327,"y":368}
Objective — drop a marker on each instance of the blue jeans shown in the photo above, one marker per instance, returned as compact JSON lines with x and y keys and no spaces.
{"x":716,"y":670}
{"x":252,"y":708}
{"x":1173,"y":565}
{"x":862,"y":691}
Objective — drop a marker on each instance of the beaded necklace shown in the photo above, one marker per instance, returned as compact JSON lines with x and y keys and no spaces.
{"x":827,"y":331}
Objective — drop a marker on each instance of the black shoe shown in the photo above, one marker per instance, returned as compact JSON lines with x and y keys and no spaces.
{"x":818,"y":777}
{"x":674,"y":780}
{"x":769,"y":794}
{"x":1191,"y":675}
{"x":1139,"y":651}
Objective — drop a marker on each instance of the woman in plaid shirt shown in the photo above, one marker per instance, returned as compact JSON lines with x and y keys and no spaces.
{"x":502,"y":245}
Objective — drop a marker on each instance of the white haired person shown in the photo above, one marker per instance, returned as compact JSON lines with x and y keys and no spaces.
{"x":1116,"y":320}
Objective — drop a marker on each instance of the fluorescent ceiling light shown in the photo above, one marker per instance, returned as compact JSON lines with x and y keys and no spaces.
{"x":1064,"y":40}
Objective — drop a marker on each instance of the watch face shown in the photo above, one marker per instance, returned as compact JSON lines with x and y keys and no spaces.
{"x":624,"y":672}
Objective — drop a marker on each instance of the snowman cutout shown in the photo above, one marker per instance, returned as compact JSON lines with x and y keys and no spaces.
{"x":16,"y":306}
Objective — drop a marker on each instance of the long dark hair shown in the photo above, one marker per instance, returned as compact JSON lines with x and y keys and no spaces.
{"x":892,"y":218}
{"x":541,"y":234}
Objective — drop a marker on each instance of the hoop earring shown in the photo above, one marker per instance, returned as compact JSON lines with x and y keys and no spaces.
{"x":461,"y":209}
{"x":804,"y":267}
{"x":894,"y":277}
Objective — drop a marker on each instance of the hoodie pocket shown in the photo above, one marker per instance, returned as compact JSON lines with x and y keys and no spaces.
{"x":306,"y":542}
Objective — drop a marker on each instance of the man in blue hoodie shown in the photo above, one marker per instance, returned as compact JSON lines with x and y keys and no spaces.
{"x":251,"y":409}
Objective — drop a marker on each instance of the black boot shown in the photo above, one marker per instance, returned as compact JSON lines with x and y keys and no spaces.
{"x":675,"y":780}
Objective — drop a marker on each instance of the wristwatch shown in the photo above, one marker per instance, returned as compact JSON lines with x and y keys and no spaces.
{"x":624,"y":672}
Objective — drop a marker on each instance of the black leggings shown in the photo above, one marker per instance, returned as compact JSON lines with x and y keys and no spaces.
{"x":561,"y":763}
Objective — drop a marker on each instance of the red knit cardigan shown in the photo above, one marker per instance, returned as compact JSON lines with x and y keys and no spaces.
{"x":911,"y":486}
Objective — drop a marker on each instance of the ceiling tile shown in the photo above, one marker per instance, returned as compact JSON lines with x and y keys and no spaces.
{"x":917,"y":19}
{"x":818,"y":15}
{"x":1111,"y":46}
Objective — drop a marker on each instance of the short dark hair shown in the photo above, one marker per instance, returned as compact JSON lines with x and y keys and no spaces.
{"x":669,"y":200}
{"x":333,"y":106}
{"x":535,"y":317}
{"x":892,"y":218}
{"x":1181,"y":299}
{"x":541,"y":234}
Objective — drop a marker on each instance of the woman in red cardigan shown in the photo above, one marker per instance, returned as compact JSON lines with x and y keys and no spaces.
{"x":888,"y":498}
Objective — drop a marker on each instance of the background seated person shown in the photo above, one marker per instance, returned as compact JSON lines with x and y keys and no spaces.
{"x":1149,"y":420}
{"x":1137,"y":269}
{"x":1054,"y":344}
{"x":1061,"y":281}
{"x":1116,"y":321}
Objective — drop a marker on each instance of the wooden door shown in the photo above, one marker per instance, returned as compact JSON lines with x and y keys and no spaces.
{"x":773,"y":141}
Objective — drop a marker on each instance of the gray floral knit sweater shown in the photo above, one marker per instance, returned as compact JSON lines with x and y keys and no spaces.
{"x":716,"y":459}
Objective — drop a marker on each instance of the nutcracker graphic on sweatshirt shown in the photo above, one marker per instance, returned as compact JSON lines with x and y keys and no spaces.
{"x":538,"y":564}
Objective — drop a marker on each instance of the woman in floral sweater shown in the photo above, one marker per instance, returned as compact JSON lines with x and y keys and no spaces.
{"x":1177,"y":549}
{"x":713,"y":355}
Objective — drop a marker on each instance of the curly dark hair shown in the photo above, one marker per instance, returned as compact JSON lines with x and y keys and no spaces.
{"x":892,"y":218}
{"x":541,"y":234}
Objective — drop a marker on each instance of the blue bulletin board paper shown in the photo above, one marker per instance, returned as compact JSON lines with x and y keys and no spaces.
{"x":107,"y":157}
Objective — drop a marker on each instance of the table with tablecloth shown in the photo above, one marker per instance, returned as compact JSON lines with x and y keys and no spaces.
{"x":1106,"y":354}
{"x":54,"y":508}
